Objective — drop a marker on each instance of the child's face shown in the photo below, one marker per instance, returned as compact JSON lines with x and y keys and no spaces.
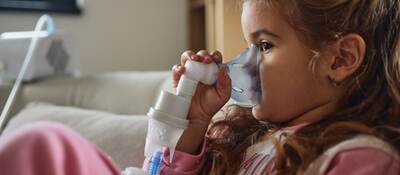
{"x":289,"y":87}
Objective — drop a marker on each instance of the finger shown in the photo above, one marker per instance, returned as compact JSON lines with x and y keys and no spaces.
{"x":203,"y":53}
{"x":177,"y":72}
{"x":175,"y":76}
{"x":187,"y":55}
{"x":208,"y":59}
{"x":217,"y":56}
{"x":224,"y":86}
{"x":202,"y":56}
{"x":197,"y":58}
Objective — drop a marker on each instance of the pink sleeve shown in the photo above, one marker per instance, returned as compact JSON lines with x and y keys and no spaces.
{"x":364,"y":161}
{"x":182,"y":163}
{"x":47,"y":148}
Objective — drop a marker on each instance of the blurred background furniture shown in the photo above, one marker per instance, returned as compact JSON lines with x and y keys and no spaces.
{"x":139,"y":35}
{"x":215,"y":25}
{"x":124,"y":49}
{"x":142,"y":35}
{"x":108,"y":109}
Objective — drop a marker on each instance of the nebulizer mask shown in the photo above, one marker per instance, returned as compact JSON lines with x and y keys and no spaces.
{"x":167,"y":118}
{"x":244,"y":73}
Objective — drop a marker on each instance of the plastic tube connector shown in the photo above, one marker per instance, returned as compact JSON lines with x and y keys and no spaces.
{"x":173,"y":105}
{"x":186,"y":87}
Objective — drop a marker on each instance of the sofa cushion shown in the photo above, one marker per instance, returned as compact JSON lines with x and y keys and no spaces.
{"x":122,"y":137}
{"x":128,"y":93}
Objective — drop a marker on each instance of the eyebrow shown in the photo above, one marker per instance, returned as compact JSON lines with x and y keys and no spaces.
{"x":264,"y":31}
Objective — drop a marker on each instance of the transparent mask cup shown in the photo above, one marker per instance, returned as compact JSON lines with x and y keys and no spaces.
{"x":244,"y":73}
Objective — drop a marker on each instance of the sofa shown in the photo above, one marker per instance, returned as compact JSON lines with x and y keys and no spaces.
{"x":107,"y":109}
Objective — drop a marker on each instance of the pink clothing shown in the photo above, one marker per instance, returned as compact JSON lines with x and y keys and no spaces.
{"x":364,"y":161}
{"x":182,"y":163}
{"x":258,"y":160}
{"x":50,"y":149}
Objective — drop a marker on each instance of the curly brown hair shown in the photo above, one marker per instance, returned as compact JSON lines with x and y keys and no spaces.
{"x":370,"y":106}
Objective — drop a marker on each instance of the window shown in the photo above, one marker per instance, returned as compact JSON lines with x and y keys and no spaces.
{"x":63,"y":6}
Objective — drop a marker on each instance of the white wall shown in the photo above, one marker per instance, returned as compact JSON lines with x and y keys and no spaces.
{"x":119,"y":34}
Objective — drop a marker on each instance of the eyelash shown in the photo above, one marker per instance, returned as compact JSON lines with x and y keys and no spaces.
{"x":264,"y":46}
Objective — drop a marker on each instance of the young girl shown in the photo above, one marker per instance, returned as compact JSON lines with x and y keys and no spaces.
{"x":330,"y":80}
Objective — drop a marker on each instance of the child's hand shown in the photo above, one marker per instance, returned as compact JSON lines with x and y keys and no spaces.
{"x":207,"y":100}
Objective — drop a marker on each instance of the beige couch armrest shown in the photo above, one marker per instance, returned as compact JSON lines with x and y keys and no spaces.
{"x":118,"y":92}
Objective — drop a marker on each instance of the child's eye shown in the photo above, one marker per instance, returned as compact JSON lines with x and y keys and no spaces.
{"x":264,"y":46}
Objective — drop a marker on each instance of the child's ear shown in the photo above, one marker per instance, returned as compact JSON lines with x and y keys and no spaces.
{"x":350,"y":52}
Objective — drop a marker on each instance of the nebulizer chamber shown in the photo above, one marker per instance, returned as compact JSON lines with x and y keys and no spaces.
{"x":167,"y":119}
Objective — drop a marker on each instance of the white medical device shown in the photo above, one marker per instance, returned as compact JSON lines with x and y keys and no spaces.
{"x":26,"y":56}
{"x":54,"y":54}
{"x":167,"y":119}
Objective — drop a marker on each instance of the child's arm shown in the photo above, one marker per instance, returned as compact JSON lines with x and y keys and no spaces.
{"x":362,"y":161}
